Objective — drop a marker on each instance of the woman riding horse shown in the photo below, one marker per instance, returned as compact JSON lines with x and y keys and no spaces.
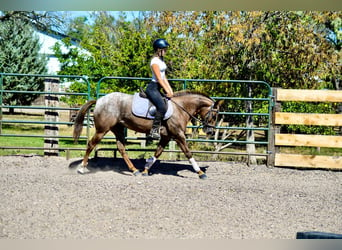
{"x":158,"y":82}
{"x":113,"y":113}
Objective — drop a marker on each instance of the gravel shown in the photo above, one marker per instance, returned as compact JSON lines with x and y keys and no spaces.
{"x":45,"y":198}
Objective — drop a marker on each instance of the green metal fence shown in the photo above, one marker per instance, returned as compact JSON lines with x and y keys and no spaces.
{"x":38,"y":108}
{"x":258,"y":92}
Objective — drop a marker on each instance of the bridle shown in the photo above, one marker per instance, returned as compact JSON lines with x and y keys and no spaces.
{"x":204,"y":122}
{"x":207,"y":116}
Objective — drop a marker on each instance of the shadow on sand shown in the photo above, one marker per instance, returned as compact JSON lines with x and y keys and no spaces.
{"x":102,"y":164}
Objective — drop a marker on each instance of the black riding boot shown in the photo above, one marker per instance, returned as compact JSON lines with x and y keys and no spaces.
{"x":155,"y":133}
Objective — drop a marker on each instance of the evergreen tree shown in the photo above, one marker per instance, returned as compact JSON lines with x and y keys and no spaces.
{"x":20,"y":54}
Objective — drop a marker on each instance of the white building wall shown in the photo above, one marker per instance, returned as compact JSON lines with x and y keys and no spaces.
{"x":47,"y":43}
{"x":53,"y":65}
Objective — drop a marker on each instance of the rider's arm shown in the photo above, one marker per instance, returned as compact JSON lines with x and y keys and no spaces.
{"x":164,"y":83}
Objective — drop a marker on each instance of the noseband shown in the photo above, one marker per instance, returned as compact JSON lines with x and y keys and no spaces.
{"x":205,"y":122}
{"x":207,"y":116}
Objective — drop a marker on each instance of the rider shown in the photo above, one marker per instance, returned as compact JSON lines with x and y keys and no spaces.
{"x":158,"y":82}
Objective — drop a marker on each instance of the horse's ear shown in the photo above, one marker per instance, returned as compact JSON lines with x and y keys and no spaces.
{"x":218,"y":103}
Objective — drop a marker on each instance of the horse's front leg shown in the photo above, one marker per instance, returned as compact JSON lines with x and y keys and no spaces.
{"x":150,"y":161}
{"x":184,"y":146}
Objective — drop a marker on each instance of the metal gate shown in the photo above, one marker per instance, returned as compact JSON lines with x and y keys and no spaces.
{"x":265,"y":99}
{"x":38,"y":108}
{"x":256,"y":94}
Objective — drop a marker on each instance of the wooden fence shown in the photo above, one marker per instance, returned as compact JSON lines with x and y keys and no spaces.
{"x":279,"y":140}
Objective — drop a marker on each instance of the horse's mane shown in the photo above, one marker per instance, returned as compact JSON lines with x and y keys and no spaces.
{"x":190,"y":92}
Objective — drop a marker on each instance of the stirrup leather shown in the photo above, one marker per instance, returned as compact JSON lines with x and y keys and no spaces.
{"x":155,"y":133}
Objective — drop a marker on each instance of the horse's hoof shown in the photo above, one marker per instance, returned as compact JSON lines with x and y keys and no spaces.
{"x":203,"y":176}
{"x":136,"y":173}
{"x":82,"y":170}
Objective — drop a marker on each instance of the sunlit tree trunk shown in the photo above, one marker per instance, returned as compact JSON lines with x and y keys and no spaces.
{"x":250,"y":148}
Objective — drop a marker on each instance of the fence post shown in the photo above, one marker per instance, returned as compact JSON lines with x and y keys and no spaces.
{"x":250,"y":148}
{"x":274,"y":129}
{"x":51,"y":100}
{"x":1,"y":94}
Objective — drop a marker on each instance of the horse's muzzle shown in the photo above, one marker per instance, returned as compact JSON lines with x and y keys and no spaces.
{"x":209,"y":131}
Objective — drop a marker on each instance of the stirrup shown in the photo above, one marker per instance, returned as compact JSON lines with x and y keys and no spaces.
{"x":154,"y":133}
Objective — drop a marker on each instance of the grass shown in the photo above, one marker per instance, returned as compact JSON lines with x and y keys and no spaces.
{"x":109,"y":142}
{"x":312,"y":151}
{"x":64,"y":130}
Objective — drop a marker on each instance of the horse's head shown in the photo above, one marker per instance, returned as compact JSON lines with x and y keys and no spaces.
{"x":209,"y":117}
{"x":197,"y":104}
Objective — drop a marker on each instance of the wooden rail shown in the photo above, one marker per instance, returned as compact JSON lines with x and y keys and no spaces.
{"x":328,"y":141}
{"x":308,"y":119}
{"x":304,"y":95}
{"x":279,"y":140}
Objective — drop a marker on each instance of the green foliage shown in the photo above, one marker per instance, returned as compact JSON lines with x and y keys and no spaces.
{"x":303,"y":107}
{"x":253,"y":45}
{"x":116,"y":49}
{"x":40,"y":20}
{"x":20,"y":54}
{"x":288,"y":49}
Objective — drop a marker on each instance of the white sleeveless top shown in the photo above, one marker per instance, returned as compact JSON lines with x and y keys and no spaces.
{"x":162,"y":67}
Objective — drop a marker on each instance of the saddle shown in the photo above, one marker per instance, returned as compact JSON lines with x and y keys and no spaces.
{"x":142,"y":106}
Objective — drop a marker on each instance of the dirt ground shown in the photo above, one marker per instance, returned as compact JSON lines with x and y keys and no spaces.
{"x":45,"y":198}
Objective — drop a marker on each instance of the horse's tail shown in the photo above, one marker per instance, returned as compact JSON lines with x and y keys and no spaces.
{"x":78,"y":124}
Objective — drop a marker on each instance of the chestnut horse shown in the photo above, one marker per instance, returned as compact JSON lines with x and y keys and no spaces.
{"x":113,"y":113}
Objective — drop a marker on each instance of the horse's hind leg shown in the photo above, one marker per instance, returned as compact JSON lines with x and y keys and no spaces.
{"x":120,"y":142}
{"x":91,"y":145}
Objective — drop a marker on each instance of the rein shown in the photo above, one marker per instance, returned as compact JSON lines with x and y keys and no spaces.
{"x":203,"y":122}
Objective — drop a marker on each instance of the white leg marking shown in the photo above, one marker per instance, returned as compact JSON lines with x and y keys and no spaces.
{"x":149,"y":162}
{"x":82,"y":169}
{"x":194,"y":164}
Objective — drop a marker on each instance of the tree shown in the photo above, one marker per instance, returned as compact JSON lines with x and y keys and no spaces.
{"x":41,"y":20}
{"x":273,"y":46}
{"x":20,"y":54}
{"x":288,"y":49}
{"x":118,"y":48}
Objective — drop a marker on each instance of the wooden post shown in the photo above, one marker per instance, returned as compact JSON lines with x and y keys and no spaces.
{"x":251,"y":160}
{"x":172,"y":146}
{"x":307,"y":119}
{"x":1,"y":88}
{"x":142,"y":142}
{"x":51,"y":100}
{"x":274,"y":129}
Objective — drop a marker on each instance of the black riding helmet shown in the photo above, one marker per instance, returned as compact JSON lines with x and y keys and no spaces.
{"x":160,"y":44}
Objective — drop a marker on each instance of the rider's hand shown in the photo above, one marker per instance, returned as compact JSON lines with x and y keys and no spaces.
{"x":169,"y":95}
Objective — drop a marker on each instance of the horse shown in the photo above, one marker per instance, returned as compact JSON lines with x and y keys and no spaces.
{"x":112,"y":112}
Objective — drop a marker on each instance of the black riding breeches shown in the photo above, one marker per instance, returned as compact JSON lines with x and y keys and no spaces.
{"x":153,"y":93}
